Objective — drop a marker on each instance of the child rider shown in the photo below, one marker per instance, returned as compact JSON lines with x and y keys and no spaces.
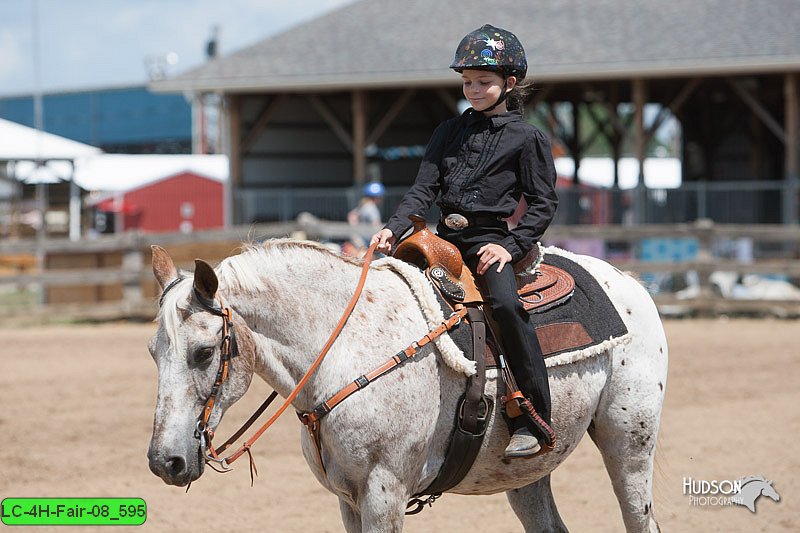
{"x":479,"y":165}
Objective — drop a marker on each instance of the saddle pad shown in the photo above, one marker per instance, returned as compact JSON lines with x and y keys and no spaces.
{"x":589,"y":306}
{"x":586,"y":320}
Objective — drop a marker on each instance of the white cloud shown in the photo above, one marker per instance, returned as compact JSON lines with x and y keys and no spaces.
{"x":10,"y":55}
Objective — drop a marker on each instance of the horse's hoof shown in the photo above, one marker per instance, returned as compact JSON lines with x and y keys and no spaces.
{"x":522,"y":444}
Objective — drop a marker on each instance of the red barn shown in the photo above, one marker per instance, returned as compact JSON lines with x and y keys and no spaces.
{"x":183,"y":202}
{"x":158,"y":193}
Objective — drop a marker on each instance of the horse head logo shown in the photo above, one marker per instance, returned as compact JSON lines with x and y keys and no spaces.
{"x":752,"y":488}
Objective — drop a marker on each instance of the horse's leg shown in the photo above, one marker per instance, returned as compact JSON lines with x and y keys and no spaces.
{"x":625,"y":428}
{"x":350,"y":517}
{"x":630,"y":466}
{"x":535,"y":507}
{"x":383,"y":503}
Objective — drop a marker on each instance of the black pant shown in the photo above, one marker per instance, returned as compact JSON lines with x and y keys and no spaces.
{"x":520,"y":344}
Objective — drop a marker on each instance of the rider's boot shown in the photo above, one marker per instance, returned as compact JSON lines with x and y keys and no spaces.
{"x":523,"y":443}
{"x":531,"y":434}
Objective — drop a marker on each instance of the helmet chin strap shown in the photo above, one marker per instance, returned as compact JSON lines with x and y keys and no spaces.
{"x":501,"y":98}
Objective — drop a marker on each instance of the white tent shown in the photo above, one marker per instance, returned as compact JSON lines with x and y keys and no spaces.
{"x":21,"y":146}
{"x":21,"y":143}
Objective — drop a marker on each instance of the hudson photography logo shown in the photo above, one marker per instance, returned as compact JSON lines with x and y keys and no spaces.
{"x":726,"y":492}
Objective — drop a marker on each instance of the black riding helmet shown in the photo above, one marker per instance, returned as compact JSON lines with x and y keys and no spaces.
{"x":494,"y":49}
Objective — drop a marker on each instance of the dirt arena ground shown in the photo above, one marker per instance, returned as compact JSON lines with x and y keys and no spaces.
{"x":77,"y":406}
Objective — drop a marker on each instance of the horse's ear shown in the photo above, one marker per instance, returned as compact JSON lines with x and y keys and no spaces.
{"x":205,"y":279}
{"x":163,"y":268}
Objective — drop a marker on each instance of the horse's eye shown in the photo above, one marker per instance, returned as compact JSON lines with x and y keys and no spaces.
{"x":204,"y":355}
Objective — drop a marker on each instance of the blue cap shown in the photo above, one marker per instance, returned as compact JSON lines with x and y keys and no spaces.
{"x":374,"y":189}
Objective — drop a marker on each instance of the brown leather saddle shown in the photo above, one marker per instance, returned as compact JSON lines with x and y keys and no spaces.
{"x":540,"y":286}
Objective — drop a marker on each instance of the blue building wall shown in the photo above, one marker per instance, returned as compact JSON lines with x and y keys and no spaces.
{"x":130,"y":120}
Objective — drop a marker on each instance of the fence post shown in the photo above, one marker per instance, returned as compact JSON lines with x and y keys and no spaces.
{"x":704,"y":230}
{"x":132,"y":262}
{"x":702,"y":213}
{"x":791,"y":210}
{"x":791,"y":197}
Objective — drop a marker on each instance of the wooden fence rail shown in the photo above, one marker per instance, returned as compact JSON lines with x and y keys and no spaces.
{"x":63,"y":268}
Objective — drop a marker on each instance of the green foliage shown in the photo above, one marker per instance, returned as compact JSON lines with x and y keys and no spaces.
{"x":557,"y":122}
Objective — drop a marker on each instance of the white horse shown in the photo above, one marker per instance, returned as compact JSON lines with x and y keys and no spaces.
{"x":388,"y":441}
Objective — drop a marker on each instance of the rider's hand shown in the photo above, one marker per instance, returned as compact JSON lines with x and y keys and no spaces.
{"x":490,"y":254}
{"x":385,"y":239}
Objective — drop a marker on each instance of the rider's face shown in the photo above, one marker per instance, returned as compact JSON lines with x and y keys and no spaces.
{"x":482,"y":88}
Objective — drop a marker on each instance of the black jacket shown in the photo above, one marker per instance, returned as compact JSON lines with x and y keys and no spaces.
{"x":481,"y":166}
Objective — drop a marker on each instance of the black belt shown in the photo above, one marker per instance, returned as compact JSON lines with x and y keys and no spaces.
{"x":458,"y":221}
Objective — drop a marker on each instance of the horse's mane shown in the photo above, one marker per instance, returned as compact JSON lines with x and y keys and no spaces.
{"x":246,"y":270}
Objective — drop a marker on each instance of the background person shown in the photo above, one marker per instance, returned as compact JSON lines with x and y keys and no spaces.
{"x":366,"y":213}
{"x":368,"y":210}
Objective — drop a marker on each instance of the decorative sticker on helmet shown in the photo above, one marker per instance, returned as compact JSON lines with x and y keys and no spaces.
{"x":496,"y":45}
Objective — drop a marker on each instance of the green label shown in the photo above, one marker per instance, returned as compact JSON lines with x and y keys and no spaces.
{"x":73,"y":511}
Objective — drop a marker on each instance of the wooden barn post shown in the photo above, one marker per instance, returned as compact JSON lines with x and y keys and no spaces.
{"x":640,"y":146}
{"x":359,"y":137}
{"x":792,"y":147}
{"x":234,"y":159}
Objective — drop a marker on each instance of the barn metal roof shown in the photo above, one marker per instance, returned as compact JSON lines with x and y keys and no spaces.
{"x":390,"y":43}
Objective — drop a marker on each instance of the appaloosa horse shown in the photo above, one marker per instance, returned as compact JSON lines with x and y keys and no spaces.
{"x":388,"y":441}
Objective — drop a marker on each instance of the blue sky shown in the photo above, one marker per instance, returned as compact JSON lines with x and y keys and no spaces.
{"x":97,"y":43}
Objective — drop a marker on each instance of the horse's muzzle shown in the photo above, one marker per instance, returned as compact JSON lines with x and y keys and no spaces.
{"x":175,"y":469}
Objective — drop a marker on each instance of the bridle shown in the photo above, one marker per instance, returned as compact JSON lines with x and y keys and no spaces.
{"x":230,"y":350}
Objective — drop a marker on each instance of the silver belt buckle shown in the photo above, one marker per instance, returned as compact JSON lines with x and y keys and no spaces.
{"x":456,"y":221}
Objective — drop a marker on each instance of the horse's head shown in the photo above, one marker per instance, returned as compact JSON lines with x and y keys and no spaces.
{"x":187,"y":349}
{"x":769,"y":491}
